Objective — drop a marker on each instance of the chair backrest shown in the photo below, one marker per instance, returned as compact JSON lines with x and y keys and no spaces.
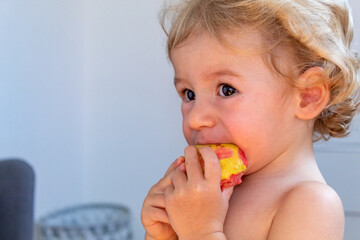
{"x":17,"y":180}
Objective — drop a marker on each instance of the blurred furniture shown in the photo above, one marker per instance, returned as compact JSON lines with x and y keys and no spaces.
{"x":17,"y":181}
{"x":100,"y":221}
{"x":352,"y":225}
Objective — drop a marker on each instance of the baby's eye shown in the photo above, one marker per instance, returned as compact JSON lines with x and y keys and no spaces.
{"x":226,"y":90}
{"x":189,"y":95}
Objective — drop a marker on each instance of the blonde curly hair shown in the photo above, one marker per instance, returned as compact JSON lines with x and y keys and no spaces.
{"x":316,"y":32}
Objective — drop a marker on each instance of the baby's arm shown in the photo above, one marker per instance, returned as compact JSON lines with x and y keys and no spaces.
{"x":195,"y":203}
{"x":311,"y":210}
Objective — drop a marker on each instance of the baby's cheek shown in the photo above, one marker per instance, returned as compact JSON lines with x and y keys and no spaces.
{"x":239,"y":129}
{"x":187,"y":134}
{"x":247,"y":138}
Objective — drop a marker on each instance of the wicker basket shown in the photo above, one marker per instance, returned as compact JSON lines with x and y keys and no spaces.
{"x":86,"y":222}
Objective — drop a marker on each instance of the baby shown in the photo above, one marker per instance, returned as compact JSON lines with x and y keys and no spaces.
{"x":271,"y":77}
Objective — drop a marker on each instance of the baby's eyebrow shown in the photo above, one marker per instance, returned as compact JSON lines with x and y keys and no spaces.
{"x":177,"y":80}
{"x":215,"y":74}
{"x":224,"y":72}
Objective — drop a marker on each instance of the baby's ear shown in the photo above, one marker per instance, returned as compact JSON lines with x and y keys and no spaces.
{"x":314,"y":96}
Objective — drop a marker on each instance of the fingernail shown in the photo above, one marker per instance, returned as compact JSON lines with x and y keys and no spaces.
{"x":180,"y":160}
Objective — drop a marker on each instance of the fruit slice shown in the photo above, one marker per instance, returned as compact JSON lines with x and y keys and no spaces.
{"x":232,"y":162}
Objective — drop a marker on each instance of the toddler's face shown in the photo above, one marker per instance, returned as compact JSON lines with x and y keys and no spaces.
{"x":232,"y":98}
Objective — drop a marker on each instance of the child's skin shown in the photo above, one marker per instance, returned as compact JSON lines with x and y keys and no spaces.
{"x":232,"y":98}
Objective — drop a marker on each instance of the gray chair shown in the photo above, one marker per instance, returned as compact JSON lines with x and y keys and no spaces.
{"x":17,"y":180}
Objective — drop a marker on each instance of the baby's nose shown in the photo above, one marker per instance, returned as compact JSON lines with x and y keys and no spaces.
{"x":201,"y":115}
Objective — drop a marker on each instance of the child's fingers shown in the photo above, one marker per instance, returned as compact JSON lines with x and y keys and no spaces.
{"x":212,"y":170}
{"x":160,"y":186}
{"x":175,"y":164}
{"x":178,"y":177}
{"x":227,"y":192}
{"x":168,"y":191}
{"x":157,"y":200}
{"x":157,"y":215}
{"x":193,"y":167}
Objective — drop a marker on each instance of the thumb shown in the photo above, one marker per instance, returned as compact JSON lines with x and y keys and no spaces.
{"x":227,"y":192}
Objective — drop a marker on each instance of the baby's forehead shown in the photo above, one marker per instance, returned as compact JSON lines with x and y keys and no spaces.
{"x":247,"y":41}
{"x":240,"y":47}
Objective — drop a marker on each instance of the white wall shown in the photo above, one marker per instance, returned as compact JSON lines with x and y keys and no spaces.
{"x":87,"y":98}
{"x":132,"y":120}
{"x":41,"y":90}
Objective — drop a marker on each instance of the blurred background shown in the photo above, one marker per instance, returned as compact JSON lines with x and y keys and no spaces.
{"x":86,"y":97}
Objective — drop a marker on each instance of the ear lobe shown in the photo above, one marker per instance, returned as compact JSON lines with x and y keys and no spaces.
{"x":314,"y":96}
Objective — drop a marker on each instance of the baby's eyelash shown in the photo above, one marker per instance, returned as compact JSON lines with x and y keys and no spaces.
{"x":229,"y":90}
{"x":182,"y":91}
{"x":223,"y":83}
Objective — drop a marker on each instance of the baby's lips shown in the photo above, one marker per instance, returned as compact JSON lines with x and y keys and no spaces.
{"x":242,"y":156}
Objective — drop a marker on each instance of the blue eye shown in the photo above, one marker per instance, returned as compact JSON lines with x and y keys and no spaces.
{"x":189,"y":95}
{"x":226,"y":90}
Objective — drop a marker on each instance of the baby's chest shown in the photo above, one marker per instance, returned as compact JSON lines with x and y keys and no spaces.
{"x":250,"y":217}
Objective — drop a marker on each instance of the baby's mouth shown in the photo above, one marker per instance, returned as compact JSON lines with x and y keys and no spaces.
{"x":212,"y":143}
{"x":206,"y":143}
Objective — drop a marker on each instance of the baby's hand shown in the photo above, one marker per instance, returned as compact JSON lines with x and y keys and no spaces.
{"x":153,"y":214}
{"x":195,"y":204}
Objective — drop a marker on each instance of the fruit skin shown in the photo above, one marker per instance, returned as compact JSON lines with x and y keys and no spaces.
{"x":232,"y":162}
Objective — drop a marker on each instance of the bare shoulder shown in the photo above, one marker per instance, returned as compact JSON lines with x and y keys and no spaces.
{"x":310,"y":210}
